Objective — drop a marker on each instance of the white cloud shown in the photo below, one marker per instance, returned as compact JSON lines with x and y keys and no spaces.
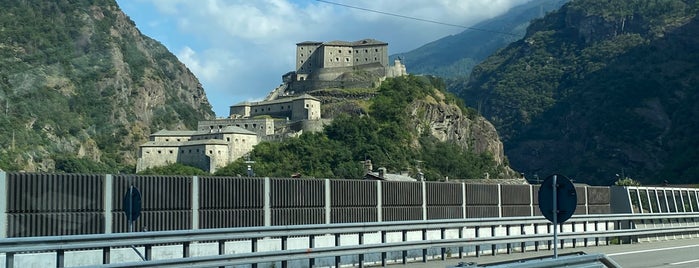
{"x":239,"y":49}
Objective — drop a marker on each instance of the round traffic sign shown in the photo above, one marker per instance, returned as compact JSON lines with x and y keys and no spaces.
{"x":566,"y":198}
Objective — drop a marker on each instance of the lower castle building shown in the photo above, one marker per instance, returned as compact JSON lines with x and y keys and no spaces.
{"x":217,"y":143}
{"x":207,"y":150}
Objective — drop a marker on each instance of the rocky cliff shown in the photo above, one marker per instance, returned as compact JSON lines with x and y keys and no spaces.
{"x":81,"y":87}
{"x":447,"y":123}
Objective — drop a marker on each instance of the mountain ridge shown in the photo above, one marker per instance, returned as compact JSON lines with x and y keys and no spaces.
{"x":82,"y":87}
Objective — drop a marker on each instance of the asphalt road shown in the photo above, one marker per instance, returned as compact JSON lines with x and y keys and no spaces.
{"x":679,"y":253}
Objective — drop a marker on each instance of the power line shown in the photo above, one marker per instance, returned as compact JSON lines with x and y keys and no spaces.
{"x":415,"y":18}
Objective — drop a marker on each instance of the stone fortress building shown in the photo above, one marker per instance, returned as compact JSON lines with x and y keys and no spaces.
{"x":287,"y":111}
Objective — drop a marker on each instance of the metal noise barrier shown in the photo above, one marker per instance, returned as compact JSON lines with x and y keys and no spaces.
{"x":37,"y":204}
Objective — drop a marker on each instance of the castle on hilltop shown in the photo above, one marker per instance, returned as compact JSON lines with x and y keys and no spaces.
{"x":287,"y":111}
{"x":341,"y":64}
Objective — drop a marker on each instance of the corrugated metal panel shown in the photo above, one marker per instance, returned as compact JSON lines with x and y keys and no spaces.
{"x":598,"y":195}
{"x":580,"y":194}
{"x":516,"y":211}
{"x":297,"y":193}
{"x":155,"y":221}
{"x":394,"y":193}
{"x":353,"y":193}
{"x":296,"y":216}
{"x":231,"y":193}
{"x":158,"y":193}
{"x":226,"y":218}
{"x":580,"y":210}
{"x":481,"y":211}
{"x":443,"y":194}
{"x":38,"y":192}
{"x":401,"y":213}
{"x":515,"y":195}
{"x":347,"y":215}
{"x":445,"y":212}
{"x":482,"y":194}
{"x":535,"y":194}
{"x":53,"y":224}
{"x":599,"y":209}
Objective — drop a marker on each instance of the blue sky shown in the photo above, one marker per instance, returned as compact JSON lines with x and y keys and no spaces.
{"x":239,"y":49}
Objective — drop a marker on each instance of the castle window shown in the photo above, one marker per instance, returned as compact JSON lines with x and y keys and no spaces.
{"x":159,"y":152}
{"x":331,"y":60}
{"x":282,"y":107}
{"x":337,"y":59}
{"x":170,"y":151}
{"x":243,"y":140}
{"x":197,"y":150}
{"x":254,"y":125}
{"x":246,"y":126}
{"x":339,"y":51}
{"x":181,"y":151}
{"x":269,"y":109}
{"x":357,"y":60}
{"x":376,"y":49}
{"x":306,"y":105}
{"x":366,"y":59}
{"x":288,"y":107}
{"x":190,"y":151}
{"x":366,"y":51}
{"x":236,"y":140}
{"x":211,"y":152}
{"x":302,"y":61}
{"x":356,"y":51}
{"x":178,"y":139}
{"x":375,"y":58}
{"x":349,"y":51}
{"x":228,"y":138}
{"x":346,"y":59}
{"x":167,"y":139}
{"x":301,"y":54}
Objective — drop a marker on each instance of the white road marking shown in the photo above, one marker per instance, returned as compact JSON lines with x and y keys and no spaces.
{"x":649,"y":250}
{"x":683,"y":262}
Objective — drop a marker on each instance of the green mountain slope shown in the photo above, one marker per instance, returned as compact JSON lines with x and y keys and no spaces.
{"x":596,"y":89}
{"x":81,"y":87}
{"x":455,"y":55}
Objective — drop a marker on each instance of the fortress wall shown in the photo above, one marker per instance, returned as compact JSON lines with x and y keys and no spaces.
{"x":262,"y":127}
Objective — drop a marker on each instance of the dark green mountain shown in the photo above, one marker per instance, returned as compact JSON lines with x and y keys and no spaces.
{"x":81,"y":87}
{"x":599,"y":88}
{"x":455,"y":55}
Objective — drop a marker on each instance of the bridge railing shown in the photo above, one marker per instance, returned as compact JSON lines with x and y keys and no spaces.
{"x":637,"y":199}
{"x":341,"y":244}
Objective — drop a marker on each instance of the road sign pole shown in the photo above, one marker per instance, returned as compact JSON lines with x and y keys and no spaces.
{"x":129,"y":216}
{"x":555,"y":217}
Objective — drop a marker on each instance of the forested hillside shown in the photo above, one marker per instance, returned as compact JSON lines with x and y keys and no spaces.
{"x":596,"y":89}
{"x":81,"y":87}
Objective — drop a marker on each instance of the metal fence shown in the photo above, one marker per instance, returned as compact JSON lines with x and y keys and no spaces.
{"x":34,"y":204}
